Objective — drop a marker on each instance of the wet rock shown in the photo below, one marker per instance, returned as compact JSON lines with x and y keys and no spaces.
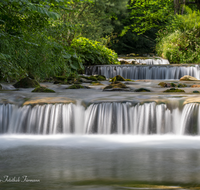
{"x":43,"y":89}
{"x":66,"y":79}
{"x":26,"y":83}
{"x":195,"y":86}
{"x":188,"y":78}
{"x":174,"y":90}
{"x":195,"y":91}
{"x":142,"y":90}
{"x":116,"y":86}
{"x":75,"y":86}
{"x":117,"y":78}
{"x":1,"y":87}
{"x":100,"y":77}
{"x":48,"y":100}
{"x":96,"y":83}
{"x":85,"y":80}
{"x":181,"y":85}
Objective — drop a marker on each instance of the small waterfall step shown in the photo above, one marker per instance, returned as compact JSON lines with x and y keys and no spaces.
{"x":144,"y":72}
{"x":100,"y":118}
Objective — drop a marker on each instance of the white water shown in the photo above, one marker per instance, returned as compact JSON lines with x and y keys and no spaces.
{"x":158,"y":61}
{"x":100,"y":118}
{"x":144,"y":72}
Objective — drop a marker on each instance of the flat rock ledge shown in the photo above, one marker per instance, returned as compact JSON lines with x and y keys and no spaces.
{"x":49,"y":100}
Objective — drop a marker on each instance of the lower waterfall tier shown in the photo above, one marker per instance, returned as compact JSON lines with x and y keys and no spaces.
{"x":144,"y":72}
{"x":100,"y":118}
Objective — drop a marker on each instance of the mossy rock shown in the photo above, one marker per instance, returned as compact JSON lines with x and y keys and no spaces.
{"x":26,"y":83}
{"x":43,"y":89}
{"x":181,"y":85}
{"x":96,"y":83}
{"x":67,"y":79}
{"x":116,"y":86}
{"x":172,"y":84}
{"x":117,"y":78}
{"x":93,"y":78}
{"x":100,"y":77}
{"x":142,"y":90}
{"x":195,"y":91}
{"x":188,"y":78}
{"x":162,"y":84}
{"x":174,"y":90}
{"x":75,"y":86}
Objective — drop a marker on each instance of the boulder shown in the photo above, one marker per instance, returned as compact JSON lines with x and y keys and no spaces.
{"x":84,"y":80}
{"x":77,"y":86}
{"x":142,"y":90}
{"x":96,"y":83}
{"x":116,"y":86}
{"x":117,"y":78}
{"x":195,"y":91}
{"x":100,"y":77}
{"x":174,"y":90}
{"x":188,"y":78}
{"x":195,"y":86}
{"x":1,"y":87}
{"x":43,"y":89}
{"x":26,"y":83}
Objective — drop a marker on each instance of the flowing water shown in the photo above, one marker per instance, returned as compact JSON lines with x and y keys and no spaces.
{"x":102,"y":140}
{"x":144,"y":72}
{"x":100,"y":118}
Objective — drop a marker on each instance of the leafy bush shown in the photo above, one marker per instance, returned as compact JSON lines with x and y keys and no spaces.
{"x":93,"y":52}
{"x":180,"y":41}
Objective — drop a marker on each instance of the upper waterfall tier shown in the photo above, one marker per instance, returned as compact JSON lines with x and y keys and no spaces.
{"x":100,"y":118}
{"x":145,"y":60}
{"x":144,"y":72}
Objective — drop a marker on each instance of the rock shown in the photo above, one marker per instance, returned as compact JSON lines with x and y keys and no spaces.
{"x":26,"y":83}
{"x":142,"y":90}
{"x":116,"y":86}
{"x":91,"y":78}
{"x":117,"y":78}
{"x":48,"y":100}
{"x":195,"y":86}
{"x":181,"y":85}
{"x":66,"y":80}
{"x":188,"y":78}
{"x":75,"y":86}
{"x":96,"y":83}
{"x":85,"y":80}
{"x":195,"y":91}
{"x":43,"y":89}
{"x":1,"y":87}
{"x":100,"y":77}
{"x":174,"y":90}
{"x":162,"y":84}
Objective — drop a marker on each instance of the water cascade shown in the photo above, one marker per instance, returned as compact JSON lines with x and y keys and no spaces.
{"x":158,"y":61}
{"x":100,"y":118}
{"x":144,"y":72}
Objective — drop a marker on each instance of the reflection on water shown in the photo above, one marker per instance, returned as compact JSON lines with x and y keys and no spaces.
{"x":58,"y":160}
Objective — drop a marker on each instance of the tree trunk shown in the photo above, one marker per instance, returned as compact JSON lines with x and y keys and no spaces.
{"x":183,"y":7}
{"x":198,"y":3}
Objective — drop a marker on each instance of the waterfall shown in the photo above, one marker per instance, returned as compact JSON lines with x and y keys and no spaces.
{"x":158,"y":61}
{"x":144,"y":72}
{"x":100,"y":118}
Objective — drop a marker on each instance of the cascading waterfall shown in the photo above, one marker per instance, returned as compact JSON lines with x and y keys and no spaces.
{"x":144,"y":72}
{"x":158,"y":61}
{"x":100,"y":118}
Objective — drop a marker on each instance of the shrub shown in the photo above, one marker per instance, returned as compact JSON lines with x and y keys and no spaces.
{"x":180,"y":41}
{"x":93,"y":52}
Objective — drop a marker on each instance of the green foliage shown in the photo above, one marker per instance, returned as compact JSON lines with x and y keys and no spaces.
{"x":93,"y":53}
{"x":180,"y":41}
{"x":149,"y":14}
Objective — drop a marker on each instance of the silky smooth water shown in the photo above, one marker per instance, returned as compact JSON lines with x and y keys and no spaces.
{"x":144,"y":72}
{"x":100,"y":118}
{"x":59,"y":160}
